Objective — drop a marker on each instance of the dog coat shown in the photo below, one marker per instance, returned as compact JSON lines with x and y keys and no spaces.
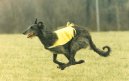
{"x":64,"y":35}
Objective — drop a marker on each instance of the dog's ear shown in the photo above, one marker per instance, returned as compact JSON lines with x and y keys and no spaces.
{"x":40,"y":25}
{"x":35,"y":21}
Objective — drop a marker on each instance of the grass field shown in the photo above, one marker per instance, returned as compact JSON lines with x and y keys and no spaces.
{"x":23,"y":59}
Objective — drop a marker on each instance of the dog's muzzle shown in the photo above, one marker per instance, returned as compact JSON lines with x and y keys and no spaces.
{"x":30,"y":35}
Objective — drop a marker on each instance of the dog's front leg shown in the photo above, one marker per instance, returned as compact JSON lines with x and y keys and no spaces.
{"x":55,"y":60}
{"x":61,"y":65}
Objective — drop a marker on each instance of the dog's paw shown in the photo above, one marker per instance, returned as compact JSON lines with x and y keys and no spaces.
{"x":80,"y":61}
{"x":62,"y":67}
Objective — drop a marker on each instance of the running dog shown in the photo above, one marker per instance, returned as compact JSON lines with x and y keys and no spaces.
{"x":76,"y":39}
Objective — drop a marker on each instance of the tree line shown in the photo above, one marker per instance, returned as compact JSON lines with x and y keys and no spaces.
{"x":16,"y":15}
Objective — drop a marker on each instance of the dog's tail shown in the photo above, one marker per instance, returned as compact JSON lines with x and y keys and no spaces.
{"x":97,"y":50}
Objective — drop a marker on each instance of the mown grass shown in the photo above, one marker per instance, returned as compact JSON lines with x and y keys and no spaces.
{"x":23,"y":59}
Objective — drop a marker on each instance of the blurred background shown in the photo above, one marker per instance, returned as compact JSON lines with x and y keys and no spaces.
{"x":97,"y":15}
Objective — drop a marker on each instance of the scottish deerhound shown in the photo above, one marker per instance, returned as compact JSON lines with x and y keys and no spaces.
{"x":81,"y":40}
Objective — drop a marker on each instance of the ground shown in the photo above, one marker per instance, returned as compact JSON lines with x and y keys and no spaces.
{"x":23,"y":59}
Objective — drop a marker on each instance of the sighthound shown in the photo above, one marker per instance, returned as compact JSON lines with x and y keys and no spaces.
{"x":80,"y":39}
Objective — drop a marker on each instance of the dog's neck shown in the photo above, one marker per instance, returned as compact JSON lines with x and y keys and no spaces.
{"x":47,"y":38}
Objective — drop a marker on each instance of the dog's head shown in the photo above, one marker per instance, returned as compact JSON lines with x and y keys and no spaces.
{"x":34,"y":29}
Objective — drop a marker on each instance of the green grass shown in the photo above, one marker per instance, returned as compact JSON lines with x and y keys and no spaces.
{"x":23,"y":59}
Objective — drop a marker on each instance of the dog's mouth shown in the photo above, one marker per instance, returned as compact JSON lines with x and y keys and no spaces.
{"x":30,"y":35}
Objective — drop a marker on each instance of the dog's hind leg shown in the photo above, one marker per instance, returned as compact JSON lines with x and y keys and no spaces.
{"x":72,"y":60}
{"x":63,"y":66}
{"x":75,"y":46}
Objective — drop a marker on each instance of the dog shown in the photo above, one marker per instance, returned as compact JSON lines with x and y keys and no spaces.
{"x":80,"y":39}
